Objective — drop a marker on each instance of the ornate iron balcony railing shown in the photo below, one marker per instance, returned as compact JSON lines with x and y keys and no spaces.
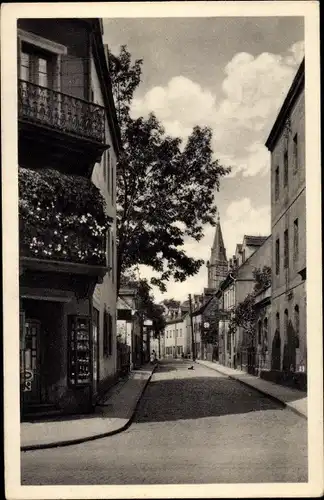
{"x":61,"y":111}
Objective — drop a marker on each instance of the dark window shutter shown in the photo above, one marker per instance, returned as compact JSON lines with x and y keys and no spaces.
{"x":109,"y":334}
{"x":105,"y":334}
{"x":73,"y":76}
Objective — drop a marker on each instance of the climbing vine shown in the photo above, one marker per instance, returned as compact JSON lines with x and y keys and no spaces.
{"x":245,"y":314}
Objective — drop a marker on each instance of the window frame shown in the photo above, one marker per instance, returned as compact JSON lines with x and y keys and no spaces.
{"x":277,"y":256}
{"x":39,"y":45}
{"x":286,"y":249}
{"x":277,"y":183}
{"x":113,"y":258}
{"x":286,"y":168}
{"x":107,"y":334}
{"x":297,"y":324}
{"x":295,"y":153}
{"x":296,"y":239}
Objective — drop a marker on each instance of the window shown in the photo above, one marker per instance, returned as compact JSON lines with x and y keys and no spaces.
{"x":278,"y":322}
{"x":297,"y":325}
{"x":286,"y":324}
{"x":295,"y":153}
{"x":180,"y":332}
{"x":286,"y":168}
{"x":108,"y":249}
{"x":296,"y":240}
{"x":104,"y":165}
{"x":37,"y":66}
{"x":113,"y":260}
{"x":259,"y":332}
{"x":265,"y":332}
{"x":286,"y":249}
{"x":112,"y":170}
{"x":107,"y":170}
{"x":107,"y":334}
{"x":277,"y":183}
{"x":277,"y":256}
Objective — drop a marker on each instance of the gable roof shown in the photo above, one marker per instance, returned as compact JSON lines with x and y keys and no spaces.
{"x":218,"y":248}
{"x":255,"y":241}
{"x":295,"y":90}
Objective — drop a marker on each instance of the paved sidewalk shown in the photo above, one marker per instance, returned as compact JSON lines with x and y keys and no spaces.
{"x":112,"y":415}
{"x":291,"y":398}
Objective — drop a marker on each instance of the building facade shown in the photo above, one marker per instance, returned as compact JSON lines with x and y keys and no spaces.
{"x":68,"y":147}
{"x":176,"y":338}
{"x":239,"y":283}
{"x":286,"y":144}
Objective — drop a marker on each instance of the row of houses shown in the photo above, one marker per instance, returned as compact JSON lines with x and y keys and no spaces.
{"x":269,"y":270}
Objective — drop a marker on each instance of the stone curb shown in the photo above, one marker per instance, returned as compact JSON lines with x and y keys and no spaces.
{"x":84,"y":439}
{"x":261,"y":391}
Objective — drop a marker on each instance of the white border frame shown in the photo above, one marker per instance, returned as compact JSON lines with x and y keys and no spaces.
{"x":10,"y":13}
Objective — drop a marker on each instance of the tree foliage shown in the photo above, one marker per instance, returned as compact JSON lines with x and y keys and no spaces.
{"x":262,"y":278}
{"x":245,"y":317}
{"x":245,"y":314}
{"x":165,"y":189}
{"x":61,"y":217}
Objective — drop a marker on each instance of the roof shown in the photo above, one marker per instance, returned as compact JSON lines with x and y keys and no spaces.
{"x":295,"y":90}
{"x":256,"y":241}
{"x":202,"y":308}
{"x":218,"y":248}
{"x":99,"y":53}
{"x":174,"y":321}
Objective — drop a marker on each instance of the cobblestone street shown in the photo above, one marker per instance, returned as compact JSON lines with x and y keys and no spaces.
{"x":191,"y":426}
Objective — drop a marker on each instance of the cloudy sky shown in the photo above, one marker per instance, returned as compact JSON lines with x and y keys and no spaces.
{"x":231,"y":74}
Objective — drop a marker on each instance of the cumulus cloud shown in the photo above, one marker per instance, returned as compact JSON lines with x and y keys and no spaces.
{"x":244,"y":218}
{"x":255,"y":159}
{"x":180,"y":105}
{"x":253,"y":90}
{"x":241,"y":117}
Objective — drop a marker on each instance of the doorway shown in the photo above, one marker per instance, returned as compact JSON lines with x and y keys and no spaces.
{"x":43,"y":351}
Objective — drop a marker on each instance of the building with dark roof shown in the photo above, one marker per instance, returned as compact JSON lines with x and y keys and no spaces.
{"x":286,"y":143}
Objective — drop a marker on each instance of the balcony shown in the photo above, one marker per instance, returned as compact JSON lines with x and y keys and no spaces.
{"x":62,"y":231}
{"x":59,"y":130}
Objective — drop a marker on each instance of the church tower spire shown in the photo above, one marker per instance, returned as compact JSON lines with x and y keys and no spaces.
{"x":217,"y":266}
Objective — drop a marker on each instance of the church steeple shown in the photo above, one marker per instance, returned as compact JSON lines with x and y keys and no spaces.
{"x":217,"y":266}
{"x":218,"y":247}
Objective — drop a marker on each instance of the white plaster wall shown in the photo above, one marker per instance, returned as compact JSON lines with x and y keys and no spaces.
{"x":105,"y":294}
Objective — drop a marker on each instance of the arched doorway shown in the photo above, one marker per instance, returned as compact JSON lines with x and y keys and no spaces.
{"x":276,"y":347}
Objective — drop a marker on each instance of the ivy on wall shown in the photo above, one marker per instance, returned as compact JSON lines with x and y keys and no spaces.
{"x":245,"y":314}
{"x":61,"y":217}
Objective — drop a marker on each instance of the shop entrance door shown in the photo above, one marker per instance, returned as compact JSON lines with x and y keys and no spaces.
{"x":31,"y":362}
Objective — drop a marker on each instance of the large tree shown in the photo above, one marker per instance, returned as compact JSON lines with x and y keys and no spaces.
{"x":165,"y":189}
